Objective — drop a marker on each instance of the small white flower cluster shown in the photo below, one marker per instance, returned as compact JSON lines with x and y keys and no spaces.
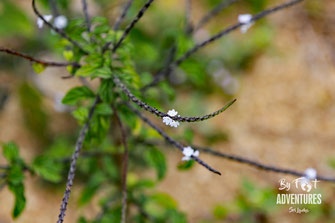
{"x":188,"y":152}
{"x":169,"y":121}
{"x":310,"y":174}
{"x":246,"y":20}
{"x":60,"y":22}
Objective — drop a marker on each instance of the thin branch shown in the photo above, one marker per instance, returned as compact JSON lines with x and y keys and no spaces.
{"x":160,"y":114}
{"x":87,"y":17}
{"x":232,"y":28}
{"x":216,"y":10}
{"x":130,"y":26}
{"x":162,"y":74}
{"x":31,"y":59}
{"x":54,"y":8}
{"x":259,"y":165}
{"x":188,"y":16}
{"x":123,"y":15}
{"x":125,"y":165}
{"x":59,"y":31}
{"x":168,"y":138}
{"x":71,"y":175}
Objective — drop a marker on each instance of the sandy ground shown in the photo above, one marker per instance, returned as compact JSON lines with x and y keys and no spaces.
{"x":284,"y":116}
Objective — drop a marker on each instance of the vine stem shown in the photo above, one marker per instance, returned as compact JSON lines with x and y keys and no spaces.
{"x":72,"y":171}
{"x":32,"y":59}
{"x":124,"y":165}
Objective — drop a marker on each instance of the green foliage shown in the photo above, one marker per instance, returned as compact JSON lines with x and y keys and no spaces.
{"x":48,"y":168}
{"x":13,"y":21}
{"x":38,"y":67}
{"x":157,"y":160}
{"x":76,"y":94}
{"x":15,"y":176}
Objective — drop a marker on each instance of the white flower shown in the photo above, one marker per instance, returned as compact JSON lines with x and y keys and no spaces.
{"x":168,"y":121}
{"x":172,"y":113}
{"x":310,"y":174}
{"x":60,"y":22}
{"x":246,"y":20}
{"x":40,"y":22}
{"x":188,"y":153}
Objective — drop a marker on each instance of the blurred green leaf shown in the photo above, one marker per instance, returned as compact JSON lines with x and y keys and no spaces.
{"x":104,"y":109}
{"x":38,"y":67}
{"x":157,"y":160}
{"x":20,"y":200}
{"x":10,"y":151}
{"x":76,"y":94}
{"x":48,"y":168}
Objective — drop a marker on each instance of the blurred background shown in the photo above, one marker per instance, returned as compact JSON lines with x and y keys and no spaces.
{"x":282,"y":72}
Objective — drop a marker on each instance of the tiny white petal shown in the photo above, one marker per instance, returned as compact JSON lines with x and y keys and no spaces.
{"x":60,"y":22}
{"x":245,"y":19}
{"x":167,"y":120}
{"x":310,"y":173}
{"x":188,"y":151}
{"x":196,"y":153}
{"x":186,"y":158}
{"x":172,"y":113}
{"x":40,"y":22}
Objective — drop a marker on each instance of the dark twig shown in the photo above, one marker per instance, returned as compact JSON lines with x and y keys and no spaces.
{"x":162,"y":114}
{"x":123,"y":15}
{"x":59,"y":31}
{"x":168,"y":138}
{"x":258,"y":165}
{"x":131,"y":25}
{"x":71,"y":175}
{"x":224,"y":32}
{"x":87,"y":17}
{"x":188,"y":16}
{"x":54,"y":8}
{"x":125,"y":165}
{"x":43,"y":62}
{"x":216,"y":10}
{"x":232,"y":28}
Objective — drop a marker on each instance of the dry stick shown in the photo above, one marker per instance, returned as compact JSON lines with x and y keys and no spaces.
{"x":216,"y":10}
{"x":125,"y":166}
{"x":87,"y":17}
{"x":123,"y":15}
{"x":71,"y":175}
{"x":129,"y":27}
{"x":43,"y":62}
{"x":160,"y":114}
{"x":214,"y":38}
{"x":168,"y":138}
{"x":59,"y":31}
{"x":256,"y":164}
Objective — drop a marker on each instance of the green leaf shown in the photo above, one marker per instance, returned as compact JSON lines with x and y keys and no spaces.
{"x":104,"y":72}
{"x":104,"y":109}
{"x":157,"y":160}
{"x":15,"y":174}
{"x":76,"y":94}
{"x":186,"y":165}
{"x":47,"y":168}
{"x":86,"y":70}
{"x":68,"y":54}
{"x":20,"y":200}
{"x":81,"y":114}
{"x":106,"y":90}
{"x":38,"y":67}
{"x":10,"y":151}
